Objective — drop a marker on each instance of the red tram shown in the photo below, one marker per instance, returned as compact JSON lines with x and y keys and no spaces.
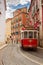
{"x":29,"y":38}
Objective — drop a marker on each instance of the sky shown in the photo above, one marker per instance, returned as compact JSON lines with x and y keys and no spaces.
{"x":12,"y":5}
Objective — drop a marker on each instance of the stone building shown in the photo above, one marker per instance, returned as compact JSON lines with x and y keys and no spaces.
{"x":21,"y":18}
{"x":36,"y":10}
{"x":8,"y":29}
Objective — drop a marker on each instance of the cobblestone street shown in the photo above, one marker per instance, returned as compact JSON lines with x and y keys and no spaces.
{"x":11,"y":55}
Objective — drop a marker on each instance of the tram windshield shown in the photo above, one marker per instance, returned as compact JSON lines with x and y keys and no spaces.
{"x":30,"y":34}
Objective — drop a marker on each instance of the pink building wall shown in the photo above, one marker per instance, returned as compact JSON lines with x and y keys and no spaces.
{"x":42,"y":17}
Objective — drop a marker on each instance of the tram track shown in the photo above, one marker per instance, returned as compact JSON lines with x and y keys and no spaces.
{"x":15,"y":57}
{"x":2,"y":62}
{"x":33,"y":59}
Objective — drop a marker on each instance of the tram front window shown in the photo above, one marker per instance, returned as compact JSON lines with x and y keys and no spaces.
{"x":25,"y":34}
{"x":30,"y":34}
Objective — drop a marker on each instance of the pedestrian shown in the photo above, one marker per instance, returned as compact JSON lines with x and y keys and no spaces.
{"x":12,"y":39}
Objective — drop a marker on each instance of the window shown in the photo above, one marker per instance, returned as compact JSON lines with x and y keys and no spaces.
{"x":26,"y":15}
{"x":16,"y":19}
{"x":30,"y":34}
{"x":13,"y":33}
{"x":34,"y":10}
{"x":16,"y":26}
{"x":16,"y":33}
{"x":22,"y":35}
{"x":20,"y":23}
{"x":35,"y":34}
{"x":25,"y":34}
{"x":12,"y":23}
{"x":19,"y":18}
{"x":36,"y":6}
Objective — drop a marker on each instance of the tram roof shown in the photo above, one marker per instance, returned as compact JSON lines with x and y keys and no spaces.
{"x":30,"y":28}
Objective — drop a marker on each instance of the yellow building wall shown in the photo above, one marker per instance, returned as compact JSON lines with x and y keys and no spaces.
{"x":8,"y":28}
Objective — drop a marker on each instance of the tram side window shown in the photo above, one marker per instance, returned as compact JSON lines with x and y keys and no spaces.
{"x":35,"y":34}
{"x":30,"y":34}
{"x":25,"y":34}
{"x":22,"y":35}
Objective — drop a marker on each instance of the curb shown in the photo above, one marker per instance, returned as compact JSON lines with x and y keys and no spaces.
{"x":40,"y":47}
{"x":1,"y":47}
{"x":29,"y":58}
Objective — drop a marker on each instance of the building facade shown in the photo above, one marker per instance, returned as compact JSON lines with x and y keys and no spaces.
{"x":21,"y":18}
{"x":8,"y":28}
{"x":2,"y":21}
{"x":36,"y":10}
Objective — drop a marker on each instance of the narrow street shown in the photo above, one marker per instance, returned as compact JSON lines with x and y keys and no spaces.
{"x":21,"y":21}
{"x":11,"y":55}
{"x":36,"y":56}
